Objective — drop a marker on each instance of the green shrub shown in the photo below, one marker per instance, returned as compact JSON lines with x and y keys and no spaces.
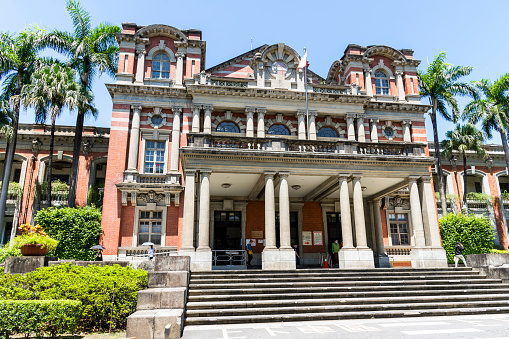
{"x":8,"y":251}
{"x":38,"y":317}
{"x":34,"y":239}
{"x":95,"y":195}
{"x":498,"y":251}
{"x":57,"y":188}
{"x":473,"y":231}
{"x":15,"y":190}
{"x":449,"y":197}
{"x":479,"y":197}
{"x":92,"y":285}
{"x":505,"y":195}
{"x":76,"y":229}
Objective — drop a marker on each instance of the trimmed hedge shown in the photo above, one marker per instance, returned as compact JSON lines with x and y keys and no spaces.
{"x":38,"y":317}
{"x":91,"y":285}
{"x":473,"y":231}
{"x":8,"y":251}
{"x":76,"y":229}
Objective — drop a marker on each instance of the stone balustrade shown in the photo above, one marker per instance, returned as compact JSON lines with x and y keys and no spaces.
{"x":151,"y":178}
{"x":200,"y":140}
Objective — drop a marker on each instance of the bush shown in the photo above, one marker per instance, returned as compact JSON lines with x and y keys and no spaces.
{"x":92,"y":285}
{"x":34,"y":239}
{"x":76,"y":229}
{"x":38,"y":317}
{"x":95,"y":195}
{"x":474,"y":232}
{"x":479,"y":197}
{"x":8,"y":251}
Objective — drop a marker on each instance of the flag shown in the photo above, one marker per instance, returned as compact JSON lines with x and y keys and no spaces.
{"x":304,"y":61}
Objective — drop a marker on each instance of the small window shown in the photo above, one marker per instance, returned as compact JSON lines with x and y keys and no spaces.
{"x":278,"y":129}
{"x":327,"y":132}
{"x":161,"y":66}
{"x":228,"y":126}
{"x":381,"y":83}
{"x":150,"y":227}
{"x":154,"y":156}
{"x":399,"y":229}
{"x":388,"y":132}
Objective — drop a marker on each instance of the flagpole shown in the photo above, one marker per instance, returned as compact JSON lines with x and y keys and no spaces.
{"x":306,"y":89}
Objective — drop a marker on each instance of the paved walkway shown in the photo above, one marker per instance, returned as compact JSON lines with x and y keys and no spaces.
{"x":494,"y":326}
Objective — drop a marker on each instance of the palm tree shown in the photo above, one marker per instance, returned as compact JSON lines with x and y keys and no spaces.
{"x":52,"y":88}
{"x":18,"y":60}
{"x":440,"y":84}
{"x":90,"y":50}
{"x":492,"y":110}
{"x":462,"y":139}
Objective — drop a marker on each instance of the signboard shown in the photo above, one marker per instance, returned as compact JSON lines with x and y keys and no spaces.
{"x":257,"y":234}
{"x":306,"y":239}
{"x":317,"y":238}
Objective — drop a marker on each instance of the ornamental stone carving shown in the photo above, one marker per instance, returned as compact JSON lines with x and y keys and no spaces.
{"x":151,"y":197}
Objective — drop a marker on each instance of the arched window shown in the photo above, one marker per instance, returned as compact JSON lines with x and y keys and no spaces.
{"x":228,"y":126}
{"x":278,"y":129}
{"x":381,"y":83}
{"x":327,"y":132}
{"x":161,"y":66}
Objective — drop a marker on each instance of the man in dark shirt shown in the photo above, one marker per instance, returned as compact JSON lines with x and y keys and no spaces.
{"x":458,"y":251}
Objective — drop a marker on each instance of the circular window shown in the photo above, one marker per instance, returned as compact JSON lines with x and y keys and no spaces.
{"x":279,"y":67}
{"x":156,"y":120}
{"x":388,"y":132}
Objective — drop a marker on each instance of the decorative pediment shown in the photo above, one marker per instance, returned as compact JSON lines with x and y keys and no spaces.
{"x":151,"y":197}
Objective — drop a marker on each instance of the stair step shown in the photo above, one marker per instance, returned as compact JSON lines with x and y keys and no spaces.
{"x":311,"y":295}
{"x":293,"y":288}
{"x":411,"y":312}
{"x":200,"y":307}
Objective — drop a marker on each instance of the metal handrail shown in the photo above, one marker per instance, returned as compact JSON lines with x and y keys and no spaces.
{"x":228,"y":257}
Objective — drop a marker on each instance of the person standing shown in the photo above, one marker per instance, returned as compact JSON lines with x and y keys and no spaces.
{"x":297,"y":257}
{"x":151,"y":252}
{"x":458,"y":251}
{"x":335,"y":250}
{"x":99,"y":256}
{"x":249,"y":249}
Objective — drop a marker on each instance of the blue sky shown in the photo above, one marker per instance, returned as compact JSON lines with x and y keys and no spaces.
{"x":472,"y":33}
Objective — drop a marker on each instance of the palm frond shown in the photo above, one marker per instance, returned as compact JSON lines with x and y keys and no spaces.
{"x":81,"y":19}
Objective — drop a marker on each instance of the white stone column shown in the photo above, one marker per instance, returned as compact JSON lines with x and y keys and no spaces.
{"x":367,"y":82}
{"x":415,"y":212}
{"x":207,"y":120}
{"x":301,"y":118}
{"x":361,"y":133}
{"x":430,"y":218}
{"x":180,"y":69}
{"x":196,"y":119}
{"x":346,"y":219}
{"x":374,"y":129}
{"x":260,"y":126}
{"x":204,"y":224}
{"x":132,"y":164}
{"x":358,"y":208}
{"x":284,"y":212}
{"x":407,"y":137}
{"x":188,"y":222}
{"x":350,"y":128}
{"x":378,"y":227}
{"x":270,"y":213}
{"x":175,"y":140}
{"x":399,"y":86}
{"x":140,"y":67}
{"x":312,"y":125}
{"x":249,"y":122}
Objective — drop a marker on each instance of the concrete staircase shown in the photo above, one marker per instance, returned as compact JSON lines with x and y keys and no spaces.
{"x":225,"y":297}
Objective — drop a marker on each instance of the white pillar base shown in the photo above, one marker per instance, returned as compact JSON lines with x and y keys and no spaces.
{"x":190,"y":252}
{"x":278,"y":259}
{"x":202,"y":260}
{"x":428,"y":257}
{"x":356,"y":258}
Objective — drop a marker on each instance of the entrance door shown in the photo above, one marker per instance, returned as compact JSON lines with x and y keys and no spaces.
{"x":333,"y":230}
{"x":294,"y":229}
{"x":227,"y":230}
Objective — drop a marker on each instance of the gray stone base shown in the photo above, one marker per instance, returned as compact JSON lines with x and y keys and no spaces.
{"x":22,"y":265}
{"x":155,"y":324}
{"x":356,"y":258}
{"x":162,"y":298}
{"x":428,"y":257}
{"x":159,"y":279}
{"x":382,"y":261}
{"x":278,"y":259}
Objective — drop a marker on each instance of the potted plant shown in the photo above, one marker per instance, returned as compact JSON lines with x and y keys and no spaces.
{"x":34,"y":241}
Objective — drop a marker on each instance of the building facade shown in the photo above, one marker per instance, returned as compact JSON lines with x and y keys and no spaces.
{"x":204,"y":160}
{"x":27,"y":188}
